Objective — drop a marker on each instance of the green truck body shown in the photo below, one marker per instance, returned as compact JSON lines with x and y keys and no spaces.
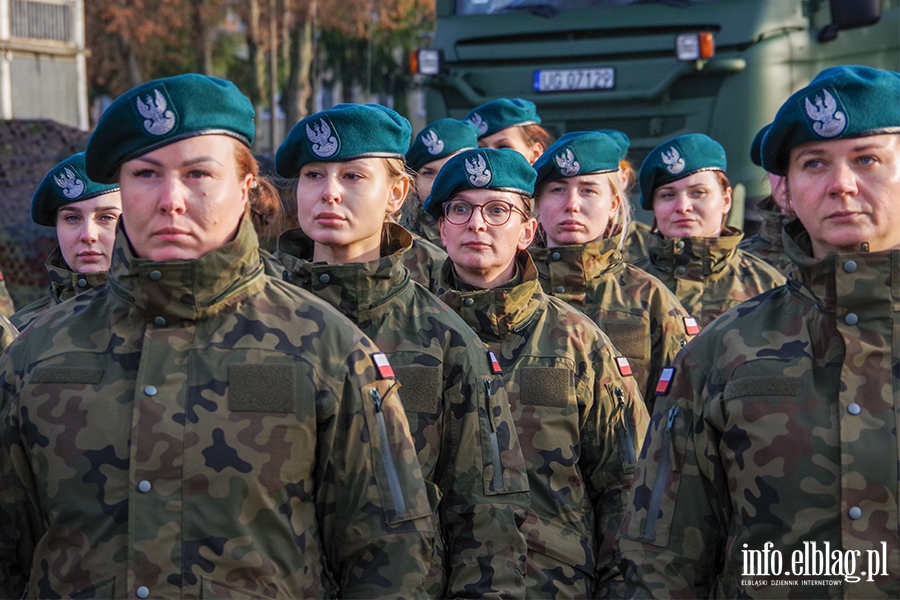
{"x":764,"y":51}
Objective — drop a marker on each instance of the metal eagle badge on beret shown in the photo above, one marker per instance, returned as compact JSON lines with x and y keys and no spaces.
{"x":323,"y":138}
{"x":479,"y":173}
{"x":822,"y":109}
{"x":157,"y":112}
{"x":673,"y":161}
{"x":479,"y":122}
{"x":433,"y":143}
{"x":72,"y":187}
{"x":568,"y":163}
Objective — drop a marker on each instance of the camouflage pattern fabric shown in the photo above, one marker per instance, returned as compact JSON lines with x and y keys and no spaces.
{"x":644,"y":320}
{"x":636,"y":244}
{"x":424,"y":260}
{"x":417,"y":221}
{"x":708,"y":275}
{"x":767,"y":243}
{"x":458,"y":411}
{"x":779,"y":427}
{"x":8,"y":332}
{"x":579,"y":423}
{"x":200,"y":430}
{"x":7,"y":308}
{"x":64,"y":284}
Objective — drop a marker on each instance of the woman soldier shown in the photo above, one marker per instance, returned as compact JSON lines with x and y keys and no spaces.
{"x":350,"y":254}
{"x":431,"y":148}
{"x":196,"y":428}
{"x":580,"y":420}
{"x":511,"y":123}
{"x":771,"y":464}
{"x":85,"y":214}
{"x":691,"y":250}
{"x":584,"y":216}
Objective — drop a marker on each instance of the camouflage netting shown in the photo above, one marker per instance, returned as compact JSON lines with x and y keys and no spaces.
{"x":28,"y":149}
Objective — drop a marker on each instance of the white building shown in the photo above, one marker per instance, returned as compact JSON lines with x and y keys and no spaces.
{"x":43,"y":72}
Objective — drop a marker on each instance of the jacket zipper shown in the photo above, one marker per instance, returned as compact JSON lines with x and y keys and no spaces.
{"x":629,"y":435}
{"x":389,"y":465}
{"x":662,"y":476}
{"x":497,"y":481}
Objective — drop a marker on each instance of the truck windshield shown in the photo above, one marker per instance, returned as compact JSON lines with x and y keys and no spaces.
{"x":549,"y":8}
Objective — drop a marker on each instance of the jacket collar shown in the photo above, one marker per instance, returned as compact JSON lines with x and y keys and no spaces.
{"x":572,"y":267}
{"x":497,"y":312}
{"x":188,"y":289}
{"x":711,"y":255}
{"x":353,"y":288}
{"x":66,"y":283}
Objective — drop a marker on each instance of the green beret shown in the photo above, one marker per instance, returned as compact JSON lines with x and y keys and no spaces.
{"x":756,"y":146}
{"x":578,"y":153}
{"x":495,"y":115}
{"x":480,"y":169}
{"x":841,"y":102}
{"x":64,"y":184}
{"x":343,"y":132}
{"x":163,"y":111}
{"x":676,"y":159}
{"x":621,"y":139}
{"x":439,"y":140}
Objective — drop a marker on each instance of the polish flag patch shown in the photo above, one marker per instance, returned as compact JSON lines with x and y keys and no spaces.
{"x":665,"y":380}
{"x":690,"y":325}
{"x":495,"y":364}
{"x":624,"y":366}
{"x":385,"y":370}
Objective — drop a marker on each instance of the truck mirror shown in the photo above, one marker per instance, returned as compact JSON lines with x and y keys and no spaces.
{"x":849,"y":14}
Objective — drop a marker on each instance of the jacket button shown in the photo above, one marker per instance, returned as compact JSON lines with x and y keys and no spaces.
{"x":681,"y":270}
{"x":854,"y":409}
{"x":468,"y":302}
{"x":150,"y":390}
{"x":159,"y":321}
{"x":679,"y":245}
{"x":155,"y":275}
{"x":851,"y":319}
{"x":144,"y":486}
{"x":142,"y":592}
{"x":324,"y":277}
{"x":850,"y":266}
{"x":855,"y":513}
{"x":555,"y":256}
{"x":82,"y":282}
{"x":560,"y":289}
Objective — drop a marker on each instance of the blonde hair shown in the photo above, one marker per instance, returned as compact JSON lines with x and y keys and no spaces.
{"x":397,"y":170}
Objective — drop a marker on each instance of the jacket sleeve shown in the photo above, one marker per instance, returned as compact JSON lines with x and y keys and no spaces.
{"x":19,"y":515}
{"x":668,"y":332}
{"x":371,"y":498}
{"x":672,"y":537}
{"x":483,"y":485}
{"x":614,"y":433}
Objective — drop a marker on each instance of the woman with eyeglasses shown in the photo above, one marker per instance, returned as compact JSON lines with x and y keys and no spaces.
{"x":584,"y":218}
{"x":580,"y":419}
{"x":350,"y":171}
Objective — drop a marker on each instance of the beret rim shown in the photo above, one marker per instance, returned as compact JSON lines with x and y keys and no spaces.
{"x":783,"y":158}
{"x":280,"y":172}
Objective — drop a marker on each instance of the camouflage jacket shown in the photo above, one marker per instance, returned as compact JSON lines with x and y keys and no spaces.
{"x":421,"y":223}
{"x":579,"y":422}
{"x":6,"y":303}
{"x":636,"y":243}
{"x":767,"y":244}
{"x":424,"y":260}
{"x":198,"y":429}
{"x":8,"y":332}
{"x":64,"y":284}
{"x":779,"y":428}
{"x":708,"y":275}
{"x":644,"y":320}
{"x":457,"y":409}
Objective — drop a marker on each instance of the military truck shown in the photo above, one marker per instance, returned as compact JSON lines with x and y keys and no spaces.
{"x":653,"y":69}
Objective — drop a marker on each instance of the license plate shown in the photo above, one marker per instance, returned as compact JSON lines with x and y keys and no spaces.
{"x":566,"y":80}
